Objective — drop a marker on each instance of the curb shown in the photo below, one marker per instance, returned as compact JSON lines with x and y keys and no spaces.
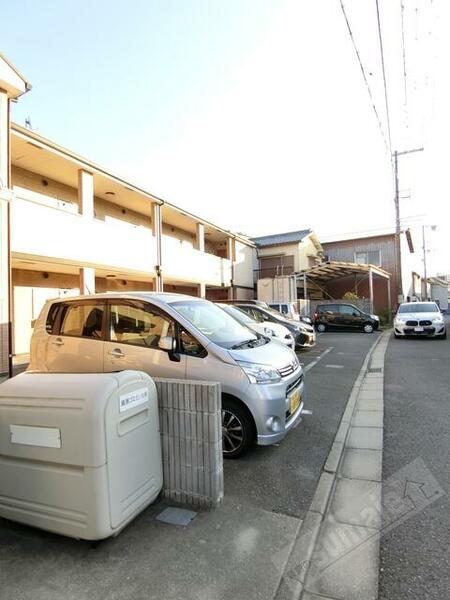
{"x":297,"y":575}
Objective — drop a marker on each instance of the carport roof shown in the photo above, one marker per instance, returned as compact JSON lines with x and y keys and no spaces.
{"x":330,"y":270}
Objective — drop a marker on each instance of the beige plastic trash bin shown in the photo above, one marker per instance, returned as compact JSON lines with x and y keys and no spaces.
{"x":80,"y":454}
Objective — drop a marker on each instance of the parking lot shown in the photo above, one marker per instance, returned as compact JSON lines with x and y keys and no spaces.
{"x":237,"y":550}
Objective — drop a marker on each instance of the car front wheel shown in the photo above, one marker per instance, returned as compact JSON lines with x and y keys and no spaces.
{"x":320,"y":327}
{"x":238,"y":431}
{"x":368,"y":328}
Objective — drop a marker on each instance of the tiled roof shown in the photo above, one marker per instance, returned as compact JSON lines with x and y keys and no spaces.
{"x":281,"y":238}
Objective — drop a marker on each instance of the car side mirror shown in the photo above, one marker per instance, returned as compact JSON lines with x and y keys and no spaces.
{"x":355,"y":314}
{"x":167,"y":343}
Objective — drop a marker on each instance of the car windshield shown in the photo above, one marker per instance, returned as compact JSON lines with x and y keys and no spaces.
{"x":418,"y":307}
{"x":238,"y":314}
{"x":217,"y":325}
{"x":274,"y":313}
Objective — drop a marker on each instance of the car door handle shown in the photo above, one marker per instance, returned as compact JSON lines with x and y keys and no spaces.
{"x":58,"y":342}
{"x":117,"y":353}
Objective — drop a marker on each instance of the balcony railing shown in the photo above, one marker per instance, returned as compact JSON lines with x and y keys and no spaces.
{"x":184,"y":263}
{"x":51,"y":233}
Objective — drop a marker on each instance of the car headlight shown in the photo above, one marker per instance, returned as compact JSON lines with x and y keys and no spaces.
{"x":400,"y":320}
{"x":438,"y":320}
{"x":269,"y":332}
{"x":375,"y":317}
{"x":260,"y":373}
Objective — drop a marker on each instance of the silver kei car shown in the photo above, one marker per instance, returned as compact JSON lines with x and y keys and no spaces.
{"x":422,"y":319}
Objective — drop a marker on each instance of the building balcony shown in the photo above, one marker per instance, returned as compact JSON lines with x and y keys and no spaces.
{"x":57,"y":235}
{"x":60,"y":235}
{"x":182,"y":262}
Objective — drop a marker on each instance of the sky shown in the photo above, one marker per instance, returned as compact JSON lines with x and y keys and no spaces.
{"x":251,"y":113}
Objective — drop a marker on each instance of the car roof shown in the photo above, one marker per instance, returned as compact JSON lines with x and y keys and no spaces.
{"x":165,"y":297}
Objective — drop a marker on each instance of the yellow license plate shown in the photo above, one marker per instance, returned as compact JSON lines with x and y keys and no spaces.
{"x":295,"y":401}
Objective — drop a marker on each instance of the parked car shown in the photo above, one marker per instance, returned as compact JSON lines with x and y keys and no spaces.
{"x":274,"y":330}
{"x":287,"y":309}
{"x":177,"y":336}
{"x":304,"y":334}
{"x":419,"y":319}
{"x":290,"y":311}
{"x":344,"y":316}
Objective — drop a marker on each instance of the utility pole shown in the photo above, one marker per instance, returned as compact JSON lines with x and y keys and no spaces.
{"x":424,"y":262}
{"x":398,"y":258}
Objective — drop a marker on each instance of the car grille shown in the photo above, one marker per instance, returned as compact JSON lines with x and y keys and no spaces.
{"x":288,"y":369}
{"x":294,"y":384}
{"x":424,"y":323}
{"x":426,"y":331}
{"x":412,"y":323}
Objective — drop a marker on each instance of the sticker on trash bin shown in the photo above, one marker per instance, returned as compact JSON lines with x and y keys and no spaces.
{"x":132,"y":399}
{"x":46,"y":437}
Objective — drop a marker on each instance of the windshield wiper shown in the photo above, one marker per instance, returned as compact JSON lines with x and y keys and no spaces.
{"x":245,"y":343}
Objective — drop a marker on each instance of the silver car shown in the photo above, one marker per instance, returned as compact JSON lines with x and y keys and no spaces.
{"x":419,"y":319}
{"x":181,"y":337}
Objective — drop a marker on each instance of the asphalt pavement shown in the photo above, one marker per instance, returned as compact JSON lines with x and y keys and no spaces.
{"x":415,"y":553}
{"x":283,"y":478}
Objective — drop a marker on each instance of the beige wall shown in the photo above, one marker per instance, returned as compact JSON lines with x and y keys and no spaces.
{"x":299,"y":250}
{"x":45,"y":190}
{"x":244,"y":264}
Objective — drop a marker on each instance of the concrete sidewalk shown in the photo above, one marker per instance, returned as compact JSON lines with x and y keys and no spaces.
{"x":336,"y":555}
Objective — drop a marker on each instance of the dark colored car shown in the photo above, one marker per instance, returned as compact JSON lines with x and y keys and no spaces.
{"x":303,"y":333}
{"x":344,"y":316}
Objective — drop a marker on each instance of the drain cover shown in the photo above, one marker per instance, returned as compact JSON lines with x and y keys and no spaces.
{"x":375,"y":370}
{"x":176,"y":516}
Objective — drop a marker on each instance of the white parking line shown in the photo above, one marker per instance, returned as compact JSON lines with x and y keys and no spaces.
{"x":335,"y":366}
{"x":314,"y":362}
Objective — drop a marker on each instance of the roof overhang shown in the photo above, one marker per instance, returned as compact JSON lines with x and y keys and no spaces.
{"x":11,"y":80}
{"x":331,"y":270}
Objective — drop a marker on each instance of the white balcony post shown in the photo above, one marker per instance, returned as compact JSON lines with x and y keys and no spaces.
{"x":157,"y":234}
{"x":5,"y":297}
{"x":12,"y":85}
{"x":200,"y":237}
{"x":371,"y":289}
{"x":86,"y":204}
{"x":231,"y":256}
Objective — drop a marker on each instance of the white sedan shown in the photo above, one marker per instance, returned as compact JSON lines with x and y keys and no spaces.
{"x":267,"y":328}
{"x":419,"y":319}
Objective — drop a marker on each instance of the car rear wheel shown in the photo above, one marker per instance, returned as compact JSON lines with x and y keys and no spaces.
{"x":368,"y":328}
{"x":321,"y":327}
{"x":238,"y":430}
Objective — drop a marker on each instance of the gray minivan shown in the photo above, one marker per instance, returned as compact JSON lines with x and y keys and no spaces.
{"x":182,"y":337}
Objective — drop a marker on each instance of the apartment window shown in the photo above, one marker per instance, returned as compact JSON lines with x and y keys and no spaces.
{"x":371,"y":257}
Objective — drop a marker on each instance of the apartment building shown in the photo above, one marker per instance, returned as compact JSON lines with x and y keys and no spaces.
{"x":74,"y":227}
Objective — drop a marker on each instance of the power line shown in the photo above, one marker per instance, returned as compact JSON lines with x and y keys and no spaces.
{"x":402,"y":7}
{"x":380,"y":125}
{"x":380,"y":38}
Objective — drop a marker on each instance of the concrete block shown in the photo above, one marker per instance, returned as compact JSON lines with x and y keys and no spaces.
{"x":334,"y":457}
{"x":361,"y":464}
{"x":322,"y":494}
{"x":370,"y":394}
{"x":370,"y":438}
{"x":345,"y":563}
{"x":191,"y":439}
{"x":342,"y":431}
{"x":303,"y":548}
{"x":357,"y":502}
{"x":368,"y":418}
{"x":370,"y":405}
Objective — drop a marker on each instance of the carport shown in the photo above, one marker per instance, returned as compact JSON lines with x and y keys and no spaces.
{"x":321,"y":275}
